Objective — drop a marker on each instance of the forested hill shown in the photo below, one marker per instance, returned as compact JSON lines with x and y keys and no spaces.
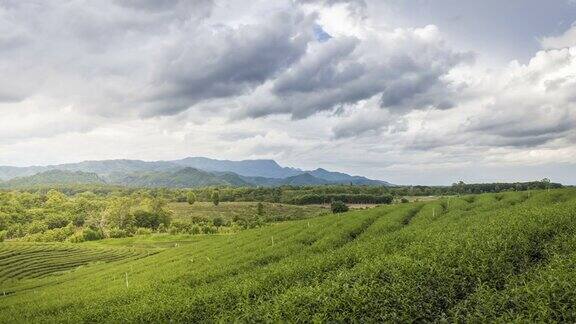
{"x":180,"y":178}
{"x":53,"y":177}
{"x":189,"y":172}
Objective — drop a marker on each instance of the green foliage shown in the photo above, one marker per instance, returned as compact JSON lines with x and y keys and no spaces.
{"x":52,"y":235}
{"x":475,"y":260}
{"x":118,"y":213}
{"x":260,"y":208}
{"x":54,"y":216}
{"x":115,"y":232}
{"x":249,"y":221}
{"x":191,"y":197}
{"x":90,"y":234}
{"x":346,"y":198}
{"x":38,"y":226}
{"x":207,"y":229}
{"x":77,"y":237}
{"x":218,"y":221}
{"x":216,"y":197}
{"x":53,"y":177}
{"x":56,"y":221}
{"x":55,"y":199}
{"x":404,"y":200}
{"x":143,"y":231}
{"x":182,"y":227}
{"x":338,"y":207}
{"x":54,"y":259}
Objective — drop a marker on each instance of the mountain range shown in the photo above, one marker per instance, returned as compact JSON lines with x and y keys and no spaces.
{"x":185,"y":173}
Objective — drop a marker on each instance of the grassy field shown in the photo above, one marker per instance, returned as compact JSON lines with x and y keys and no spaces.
{"x":493,"y":257}
{"x":228,"y":210}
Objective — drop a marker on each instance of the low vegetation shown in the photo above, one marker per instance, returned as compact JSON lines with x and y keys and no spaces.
{"x":505,"y":257}
{"x":56,"y":217}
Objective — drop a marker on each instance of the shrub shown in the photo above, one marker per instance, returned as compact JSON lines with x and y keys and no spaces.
{"x":207,"y":229}
{"x":77,"y":237}
{"x":90,"y":234}
{"x":404,"y":200}
{"x":308,"y":199}
{"x":16,"y":230}
{"x":197,"y":219}
{"x":216,"y":198}
{"x":147,"y":219}
{"x":181,"y":227}
{"x":338,"y":207}
{"x":191,"y":198}
{"x":249,"y":221}
{"x":118,"y":233}
{"x":56,"y":221}
{"x":143,"y":231}
{"x":78,"y":220}
{"x":37,"y":227}
{"x":54,"y":235}
{"x":2,"y":236}
{"x":218,"y":221}
{"x":4,"y":221}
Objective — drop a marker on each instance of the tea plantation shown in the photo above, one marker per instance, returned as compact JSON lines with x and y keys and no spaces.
{"x":492,"y":257}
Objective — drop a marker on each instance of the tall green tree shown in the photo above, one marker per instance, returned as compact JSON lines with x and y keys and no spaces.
{"x":119,"y":214}
{"x":546,"y":183}
{"x":191,"y":197}
{"x":216,"y":197}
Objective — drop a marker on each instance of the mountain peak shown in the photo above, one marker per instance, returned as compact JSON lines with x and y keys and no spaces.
{"x":191,"y":170}
{"x":248,"y":168}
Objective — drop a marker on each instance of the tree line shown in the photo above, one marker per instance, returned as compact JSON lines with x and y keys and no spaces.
{"x":319,"y":194}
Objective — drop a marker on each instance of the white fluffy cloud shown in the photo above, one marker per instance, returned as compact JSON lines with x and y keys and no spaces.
{"x":567,"y":39}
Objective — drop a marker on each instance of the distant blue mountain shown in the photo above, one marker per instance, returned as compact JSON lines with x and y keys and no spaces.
{"x":188,"y":172}
{"x":247,"y":168}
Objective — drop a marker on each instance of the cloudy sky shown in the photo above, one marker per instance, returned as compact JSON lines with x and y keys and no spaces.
{"x":420,"y":91}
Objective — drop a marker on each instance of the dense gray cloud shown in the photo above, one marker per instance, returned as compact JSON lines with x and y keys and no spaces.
{"x":228,"y":62}
{"x":406,"y":68}
{"x":332,"y":83}
{"x":156,"y":58}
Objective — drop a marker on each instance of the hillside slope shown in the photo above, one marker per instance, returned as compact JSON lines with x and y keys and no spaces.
{"x":236,"y":173}
{"x":183,"y":178}
{"x":247,"y":168}
{"x":495,"y":257}
{"x":53,"y":177}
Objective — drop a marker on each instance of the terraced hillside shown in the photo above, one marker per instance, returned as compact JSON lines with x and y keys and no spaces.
{"x":32,"y":260}
{"x":506,"y":257}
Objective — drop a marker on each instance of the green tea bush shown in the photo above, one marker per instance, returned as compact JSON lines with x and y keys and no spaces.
{"x":508,"y":258}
